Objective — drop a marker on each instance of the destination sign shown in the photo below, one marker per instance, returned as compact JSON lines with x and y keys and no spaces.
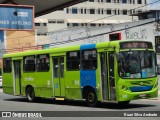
{"x":130,"y":45}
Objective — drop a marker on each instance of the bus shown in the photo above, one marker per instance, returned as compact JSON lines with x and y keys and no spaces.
{"x":118,"y":71}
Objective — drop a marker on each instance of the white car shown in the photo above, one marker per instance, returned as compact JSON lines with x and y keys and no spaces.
{"x":0,"y":81}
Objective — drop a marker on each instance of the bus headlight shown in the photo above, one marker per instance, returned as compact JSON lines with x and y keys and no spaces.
{"x":123,"y":87}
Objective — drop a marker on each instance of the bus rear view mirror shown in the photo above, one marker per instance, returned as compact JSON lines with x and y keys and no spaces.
{"x":158,"y":69}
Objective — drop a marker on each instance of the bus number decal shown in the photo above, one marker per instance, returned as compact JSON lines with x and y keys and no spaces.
{"x":29,"y":78}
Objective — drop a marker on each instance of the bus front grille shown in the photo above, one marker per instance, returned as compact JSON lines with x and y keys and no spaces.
{"x":140,"y":88}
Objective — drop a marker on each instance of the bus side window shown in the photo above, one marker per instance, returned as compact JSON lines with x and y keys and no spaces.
{"x":7,"y":64}
{"x":73,"y":60}
{"x":29,"y":63}
{"x":89,"y":60}
{"x":42,"y":63}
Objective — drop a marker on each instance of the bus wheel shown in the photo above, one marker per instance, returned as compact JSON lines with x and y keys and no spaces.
{"x":123,"y":102}
{"x":91,"y":98}
{"x":30,"y":94}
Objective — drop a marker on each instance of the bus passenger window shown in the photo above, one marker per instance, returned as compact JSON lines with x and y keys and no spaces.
{"x":29,"y":63}
{"x":42,"y":63}
{"x":7,"y":64}
{"x":55,"y":64}
{"x":62,"y":67}
{"x":89,"y":60}
{"x":73,"y":60}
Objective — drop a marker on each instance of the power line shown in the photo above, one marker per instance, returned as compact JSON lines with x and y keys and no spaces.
{"x":90,"y":21}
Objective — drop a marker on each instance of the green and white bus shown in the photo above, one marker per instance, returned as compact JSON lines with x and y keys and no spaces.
{"x":118,"y":71}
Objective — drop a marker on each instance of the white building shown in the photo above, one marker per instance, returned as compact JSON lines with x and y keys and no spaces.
{"x":91,"y":13}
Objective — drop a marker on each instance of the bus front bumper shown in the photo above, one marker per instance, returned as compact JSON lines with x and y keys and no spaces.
{"x":128,"y":95}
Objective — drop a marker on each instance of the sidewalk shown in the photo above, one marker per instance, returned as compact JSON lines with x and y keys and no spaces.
{"x":1,"y":90}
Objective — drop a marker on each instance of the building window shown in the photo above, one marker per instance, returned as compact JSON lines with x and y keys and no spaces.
{"x":133,"y":1}
{"x":7,"y":65}
{"x":139,"y":11}
{"x":29,"y":63}
{"x":108,"y":1}
{"x":130,"y":2}
{"x":42,"y":63}
{"x":118,"y":1}
{"x":139,"y":1}
{"x":73,"y":60}
{"x":92,"y":24}
{"x":133,"y":11}
{"x":74,"y":24}
{"x":74,"y":10}
{"x":115,"y":12}
{"x":51,"y":21}
{"x":130,"y":12}
{"x":92,"y":11}
{"x":60,"y":21}
{"x":89,"y":60}
{"x":91,"y":0}
{"x":67,"y":10}
{"x":145,"y":2}
{"x":37,"y":24}
{"x":68,"y":24}
{"x":99,"y":11}
{"x":124,"y":1}
{"x":102,"y":10}
{"x":44,"y":24}
{"x":85,"y":11}
{"x":81,"y":10}
{"x":109,"y":11}
{"x":124,"y":12}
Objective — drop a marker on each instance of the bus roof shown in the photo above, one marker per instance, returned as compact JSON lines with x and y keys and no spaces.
{"x":111,"y":44}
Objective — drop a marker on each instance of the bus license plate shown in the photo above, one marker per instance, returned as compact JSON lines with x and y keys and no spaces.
{"x":142,"y":95}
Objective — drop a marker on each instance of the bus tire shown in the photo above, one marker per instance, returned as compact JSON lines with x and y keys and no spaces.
{"x":91,"y":98}
{"x":30,"y":94}
{"x":124,"y":102}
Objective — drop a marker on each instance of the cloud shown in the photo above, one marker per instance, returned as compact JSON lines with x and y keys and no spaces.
{"x":155,"y":6}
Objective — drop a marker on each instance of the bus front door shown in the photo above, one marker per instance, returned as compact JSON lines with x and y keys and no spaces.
{"x":107,"y":76}
{"x":17,"y":76}
{"x":58,"y":74}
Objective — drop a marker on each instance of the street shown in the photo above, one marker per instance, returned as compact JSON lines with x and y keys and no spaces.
{"x":18,"y":103}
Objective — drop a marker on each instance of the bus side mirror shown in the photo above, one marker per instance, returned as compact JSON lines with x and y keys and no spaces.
{"x":158,"y":70}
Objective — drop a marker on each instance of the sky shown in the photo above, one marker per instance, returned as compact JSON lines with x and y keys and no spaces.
{"x":155,"y":6}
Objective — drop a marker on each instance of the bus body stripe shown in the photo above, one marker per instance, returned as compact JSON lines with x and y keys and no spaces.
{"x":140,"y":88}
{"x":88,"y":46}
{"x":88,"y":77}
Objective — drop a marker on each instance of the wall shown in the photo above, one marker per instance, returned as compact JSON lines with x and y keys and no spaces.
{"x":19,"y":39}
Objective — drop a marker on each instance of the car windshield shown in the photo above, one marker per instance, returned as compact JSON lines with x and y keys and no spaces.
{"x":136,"y":64}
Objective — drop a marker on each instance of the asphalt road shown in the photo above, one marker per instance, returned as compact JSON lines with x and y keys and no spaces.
{"x":77,"y":108}
{"x":20,"y":104}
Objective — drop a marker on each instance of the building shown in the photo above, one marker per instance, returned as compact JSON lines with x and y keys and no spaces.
{"x":91,"y":13}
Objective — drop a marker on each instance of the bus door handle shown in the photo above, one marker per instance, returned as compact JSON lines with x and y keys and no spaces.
{"x":111,"y":77}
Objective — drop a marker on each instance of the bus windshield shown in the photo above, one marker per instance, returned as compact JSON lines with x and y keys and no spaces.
{"x":136,"y":64}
